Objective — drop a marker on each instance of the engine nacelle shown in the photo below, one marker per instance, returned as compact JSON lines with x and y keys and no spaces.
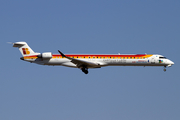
{"x":46,"y":55}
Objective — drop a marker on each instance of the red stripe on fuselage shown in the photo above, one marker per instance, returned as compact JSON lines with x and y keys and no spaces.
{"x":92,"y":55}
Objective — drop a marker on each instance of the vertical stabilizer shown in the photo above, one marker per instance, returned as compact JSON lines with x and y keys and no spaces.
{"x":24,"y":48}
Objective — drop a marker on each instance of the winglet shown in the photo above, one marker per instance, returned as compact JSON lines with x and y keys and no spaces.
{"x":61,"y":54}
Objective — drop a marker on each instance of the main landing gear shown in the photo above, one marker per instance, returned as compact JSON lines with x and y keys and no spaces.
{"x":85,"y":70}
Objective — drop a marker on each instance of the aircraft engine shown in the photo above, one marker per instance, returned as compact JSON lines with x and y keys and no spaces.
{"x":46,"y":55}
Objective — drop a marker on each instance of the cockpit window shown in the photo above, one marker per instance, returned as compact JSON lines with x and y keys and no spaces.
{"x":162,"y":57}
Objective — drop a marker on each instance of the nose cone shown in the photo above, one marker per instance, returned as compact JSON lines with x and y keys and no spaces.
{"x":170,"y":63}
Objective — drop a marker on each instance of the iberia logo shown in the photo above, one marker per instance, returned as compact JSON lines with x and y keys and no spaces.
{"x":25,"y":51}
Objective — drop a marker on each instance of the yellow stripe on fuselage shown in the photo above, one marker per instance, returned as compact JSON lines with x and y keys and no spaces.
{"x":96,"y":57}
{"x":103,"y":56}
{"x":29,"y":57}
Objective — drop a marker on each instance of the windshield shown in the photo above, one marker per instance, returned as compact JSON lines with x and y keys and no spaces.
{"x":162,"y":57}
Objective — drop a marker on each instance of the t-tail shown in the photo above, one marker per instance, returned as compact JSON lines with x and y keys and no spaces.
{"x":24,"y":48}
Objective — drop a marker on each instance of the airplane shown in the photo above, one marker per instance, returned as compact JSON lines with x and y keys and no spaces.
{"x":86,"y":61}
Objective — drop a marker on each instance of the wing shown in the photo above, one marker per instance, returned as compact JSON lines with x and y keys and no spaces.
{"x":81,"y":63}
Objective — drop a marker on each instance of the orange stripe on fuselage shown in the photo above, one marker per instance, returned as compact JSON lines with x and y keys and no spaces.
{"x":102,"y":56}
{"x":31,"y":57}
{"x":137,"y":56}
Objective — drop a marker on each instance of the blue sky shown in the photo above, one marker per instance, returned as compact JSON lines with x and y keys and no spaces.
{"x":29,"y":91}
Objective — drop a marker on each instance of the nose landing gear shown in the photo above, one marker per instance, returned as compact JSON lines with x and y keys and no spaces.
{"x":164,"y":68}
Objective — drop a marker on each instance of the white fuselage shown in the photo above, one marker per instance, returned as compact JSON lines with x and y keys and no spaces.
{"x":104,"y":60}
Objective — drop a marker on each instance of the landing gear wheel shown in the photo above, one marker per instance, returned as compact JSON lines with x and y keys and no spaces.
{"x":85,"y":70}
{"x":164,"y":68}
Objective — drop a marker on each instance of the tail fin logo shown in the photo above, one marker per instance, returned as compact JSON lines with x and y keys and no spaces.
{"x":25,"y":51}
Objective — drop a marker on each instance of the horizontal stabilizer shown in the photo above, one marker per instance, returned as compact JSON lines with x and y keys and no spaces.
{"x":24,"y":48}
